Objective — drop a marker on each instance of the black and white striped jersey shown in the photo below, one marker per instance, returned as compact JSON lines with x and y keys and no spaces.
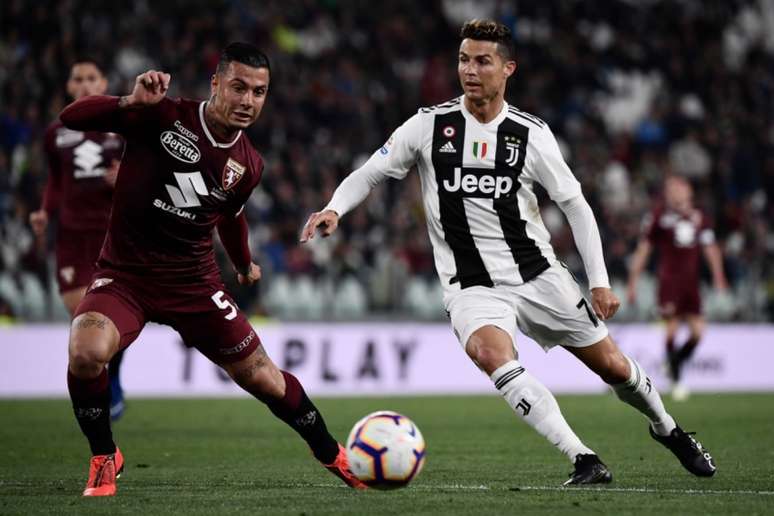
{"x":477,"y":186}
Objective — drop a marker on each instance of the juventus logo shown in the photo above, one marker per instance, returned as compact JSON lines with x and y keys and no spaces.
{"x":512,"y":146}
{"x":525,"y":406}
{"x":189,"y":184}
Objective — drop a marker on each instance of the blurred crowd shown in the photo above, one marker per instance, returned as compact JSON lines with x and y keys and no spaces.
{"x":634,"y":90}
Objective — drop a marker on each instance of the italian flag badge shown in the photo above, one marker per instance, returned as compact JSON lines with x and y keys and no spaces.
{"x":479,"y":149}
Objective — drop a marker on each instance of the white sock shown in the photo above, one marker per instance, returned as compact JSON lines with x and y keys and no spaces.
{"x":640,"y":394}
{"x":535,"y":404}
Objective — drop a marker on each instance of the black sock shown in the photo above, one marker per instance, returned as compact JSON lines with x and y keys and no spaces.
{"x":674,"y":366}
{"x":91,"y":404}
{"x":687,"y":350}
{"x":298,"y":411}
{"x":114,"y":367}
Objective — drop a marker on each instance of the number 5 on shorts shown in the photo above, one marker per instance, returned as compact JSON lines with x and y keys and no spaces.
{"x":221,"y":303}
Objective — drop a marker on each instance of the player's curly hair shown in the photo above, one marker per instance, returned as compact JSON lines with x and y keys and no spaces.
{"x":490,"y":30}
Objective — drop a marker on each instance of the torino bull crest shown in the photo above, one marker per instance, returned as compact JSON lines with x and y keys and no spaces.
{"x":232,"y":173}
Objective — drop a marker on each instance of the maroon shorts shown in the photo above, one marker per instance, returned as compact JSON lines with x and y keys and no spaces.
{"x":76,"y":257}
{"x":205,"y":316}
{"x":679,"y":298}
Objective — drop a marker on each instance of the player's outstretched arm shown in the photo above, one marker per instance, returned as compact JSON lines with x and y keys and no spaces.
{"x":715,"y":260}
{"x":585,"y":232}
{"x":639,"y":259}
{"x":233,"y":232}
{"x":116,"y":114}
{"x":604,"y":302}
{"x":350,"y":193}
{"x":326,"y":220}
{"x":51,"y":194}
{"x":250,"y":276}
{"x":149,"y":88}
{"x":393,"y":160}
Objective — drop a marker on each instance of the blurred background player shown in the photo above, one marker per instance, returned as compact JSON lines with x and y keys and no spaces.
{"x":83,"y":166}
{"x":678,"y":231}
{"x":187,"y":169}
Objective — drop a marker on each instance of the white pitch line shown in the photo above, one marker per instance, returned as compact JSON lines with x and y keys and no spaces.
{"x":578,"y":489}
{"x":482,"y":487}
{"x":647,"y":490}
{"x":456,"y":486}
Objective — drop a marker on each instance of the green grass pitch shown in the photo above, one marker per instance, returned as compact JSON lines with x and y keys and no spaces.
{"x":232,"y":457}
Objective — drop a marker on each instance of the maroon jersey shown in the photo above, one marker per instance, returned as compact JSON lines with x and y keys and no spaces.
{"x":175,"y":184}
{"x":76,"y":186}
{"x":678,"y":239}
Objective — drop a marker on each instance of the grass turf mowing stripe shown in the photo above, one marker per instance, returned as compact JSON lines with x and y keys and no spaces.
{"x":194,"y":457}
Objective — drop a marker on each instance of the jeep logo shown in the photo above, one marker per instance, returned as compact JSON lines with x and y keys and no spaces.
{"x":180,"y":147}
{"x":479,"y":184}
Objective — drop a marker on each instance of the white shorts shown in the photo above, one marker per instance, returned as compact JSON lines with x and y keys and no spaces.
{"x":550,"y":309}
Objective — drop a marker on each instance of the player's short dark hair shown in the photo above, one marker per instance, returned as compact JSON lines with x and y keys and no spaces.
{"x":244,"y":53}
{"x":89,"y":60}
{"x":489,"y":30}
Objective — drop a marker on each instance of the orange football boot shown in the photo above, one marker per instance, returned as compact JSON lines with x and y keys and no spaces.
{"x":103,"y":472}
{"x":340,"y":468}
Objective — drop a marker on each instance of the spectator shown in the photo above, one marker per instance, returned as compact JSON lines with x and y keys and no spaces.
{"x":633,"y":90}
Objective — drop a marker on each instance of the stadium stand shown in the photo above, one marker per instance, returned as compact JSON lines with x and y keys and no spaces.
{"x":691,"y":93}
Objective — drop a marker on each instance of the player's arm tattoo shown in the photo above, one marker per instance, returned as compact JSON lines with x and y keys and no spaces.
{"x":91,"y":322}
{"x":123,"y":103}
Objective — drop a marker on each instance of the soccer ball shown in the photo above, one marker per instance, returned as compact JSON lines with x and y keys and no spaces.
{"x":386,"y":450}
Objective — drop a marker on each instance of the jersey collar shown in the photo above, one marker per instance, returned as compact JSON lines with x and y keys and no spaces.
{"x":207,"y":131}
{"x":493,"y":123}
